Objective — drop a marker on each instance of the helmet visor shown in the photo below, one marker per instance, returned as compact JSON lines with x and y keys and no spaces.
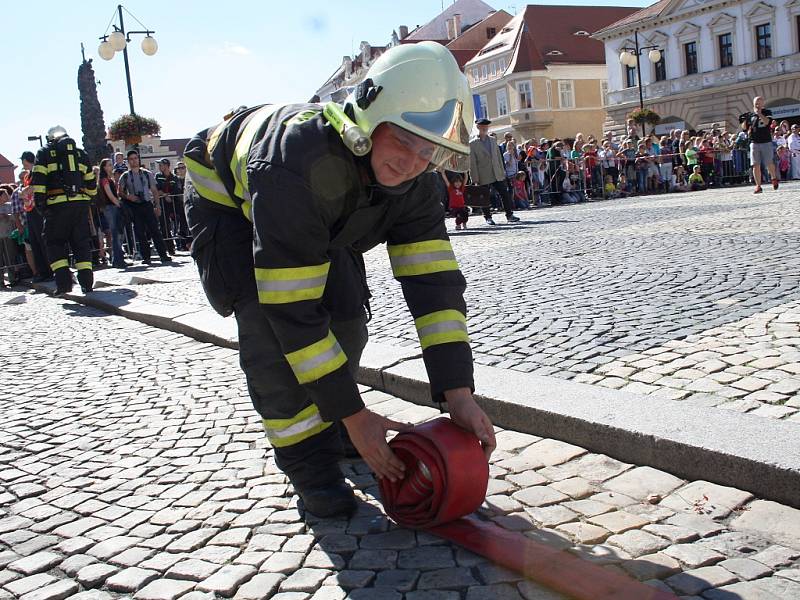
{"x":443,"y":126}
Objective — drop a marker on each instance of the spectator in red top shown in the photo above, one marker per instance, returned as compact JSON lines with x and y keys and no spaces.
{"x":521,"y":201}
{"x":706,"y":152}
{"x":455,"y":194}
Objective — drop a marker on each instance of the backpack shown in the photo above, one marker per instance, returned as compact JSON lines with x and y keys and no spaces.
{"x":68,"y":159}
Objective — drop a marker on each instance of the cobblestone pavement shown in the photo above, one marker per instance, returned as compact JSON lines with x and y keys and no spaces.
{"x":131,"y":464}
{"x":690,"y":297}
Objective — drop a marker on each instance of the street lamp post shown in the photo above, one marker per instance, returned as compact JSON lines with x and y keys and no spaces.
{"x":118,"y":40}
{"x":631,"y":56}
{"x":32,"y":138}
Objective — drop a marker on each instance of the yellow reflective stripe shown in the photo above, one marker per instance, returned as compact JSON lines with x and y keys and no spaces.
{"x":40,"y":189}
{"x":81,"y":266}
{"x":285,"y":432}
{"x":247,"y":209}
{"x":88,"y":176}
{"x":61,"y":199}
{"x":90,"y":192}
{"x":317,"y":360}
{"x":238,"y":163}
{"x":72,"y":165}
{"x":214,"y":137}
{"x":294,"y":284}
{"x":40,"y":169}
{"x":59,"y":264}
{"x":441,"y":327}
{"x":208,"y":183}
{"x":421,"y":258}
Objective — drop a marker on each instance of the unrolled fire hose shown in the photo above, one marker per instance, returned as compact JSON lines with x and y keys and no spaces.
{"x":445,"y":481}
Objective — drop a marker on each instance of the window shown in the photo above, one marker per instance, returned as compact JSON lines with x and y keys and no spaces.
{"x":484,"y":72}
{"x":502,"y":102}
{"x":503,"y":61}
{"x":484,"y":106}
{"x":604,"y":92}
{"x":690,"y":55}
{"x":660,"y":69}
{"x":725,"y":42}
{"x":566,"y":94}
{"x":474,"y":74}
{"x":764,"y":41}
{"x":493,"y":69}
{"x":630,"y":76}
{"x":490,"y":32}
{"x":525,"y":95}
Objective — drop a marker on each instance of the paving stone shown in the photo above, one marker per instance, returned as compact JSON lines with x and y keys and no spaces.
{"x":574,"y":487}
{"x":265,"y":541}
{"x":373,"y":560}
{"x":374,"y":594}
{"x":192,"y":540}
{"x":432,"y":595}
{"x":132,"y":557}
{"x":112,"y":547}
{"x":299,"y":543}
{"x":744,"y":590}
{"x":329,"y":592}
{"x":227,"y":580}
{"x":55,"y":591}
{"x":772,"y":520}
{"x":652,"y":566}
{"x":638,"y":543}
{"x":584,"y":533}
{"x":706,"y":498}
{"x":192,"y":570}
{"x":451,"y":578}
{"x":236,"y":536}
{"x":164,"y":589}
{"x":703,"y":525}
{"x":350,"y":579}
{"x":776,"y":556}
{"x":91,"y":595}
{"x":216,"y":554}
{"x":641,"y":482}
{"x":162,"y":561}
{"x":262,"y":585}
{"x":618,"y":521}
{"x":491,"y":574}
{"x":697,"y":581}
{"x":130,"y":579}
{"x":552,"y":452}
{"x":745,"y":568}
{"x":402,"y":580}
{"x":539,"y":496}
{"x":95,"y":574}
{"x":36,"y":563}
{"x":75,"y":563}
{"x":304,"y":580}
{"x":426,"y":558}
{"x":339,"y":542}
{"x":283,"y":562}
{"x":533,"y":591}
{"x":673,"y":533}
{"x":550,"y":516}
{"x":694,"y":555}
{"x":317,"y":559}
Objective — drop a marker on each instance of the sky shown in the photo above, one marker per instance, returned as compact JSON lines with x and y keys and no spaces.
{"x":212,"y":56}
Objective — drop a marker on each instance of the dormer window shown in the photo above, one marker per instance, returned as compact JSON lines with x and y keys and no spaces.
{"x":505,"y":30}
{"x":582,"y":32}
{"x":555,"y":53}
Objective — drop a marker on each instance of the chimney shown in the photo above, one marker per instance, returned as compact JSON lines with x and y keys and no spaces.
{"x":403,"y":32}
{"x":450,"y":34}
{"x":457,"y":24}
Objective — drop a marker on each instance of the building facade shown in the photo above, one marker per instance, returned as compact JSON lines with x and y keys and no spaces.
{"x":543,"y":75}
{"x":716,"y":56}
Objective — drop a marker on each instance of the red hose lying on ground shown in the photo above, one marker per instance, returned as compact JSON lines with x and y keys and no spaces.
{"x":446,"y":479}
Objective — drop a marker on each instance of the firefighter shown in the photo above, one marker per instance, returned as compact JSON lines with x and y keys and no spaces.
{"x":63,"y":184}
{"x":282,"y":201}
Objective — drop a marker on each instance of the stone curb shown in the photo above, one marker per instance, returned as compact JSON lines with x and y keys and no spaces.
{"x":747,"y":452}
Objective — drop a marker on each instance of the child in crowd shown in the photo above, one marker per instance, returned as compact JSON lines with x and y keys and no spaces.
{"x":692,"y":154}
{"x":622,"y":186}
{"x":679,"y":180}
{"x":784,"y":161}
{"x":455,"y":194}
{"x":696,"y":181}
{"x":521,"y":192}
{"x":609,"y":190}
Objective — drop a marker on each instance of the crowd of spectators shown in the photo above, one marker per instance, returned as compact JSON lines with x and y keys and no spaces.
{"x":133,"y":208}
{"x":558,"y":171}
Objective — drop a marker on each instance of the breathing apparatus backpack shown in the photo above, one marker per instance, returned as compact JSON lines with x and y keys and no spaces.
{"x":68,"y":158}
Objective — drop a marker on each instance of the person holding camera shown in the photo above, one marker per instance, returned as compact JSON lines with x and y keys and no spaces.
{"x":138,"y":187}
{"x":758,"y":123}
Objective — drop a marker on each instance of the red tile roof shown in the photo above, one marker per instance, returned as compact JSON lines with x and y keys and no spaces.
{"x":4,"y":162}
{"x":653,"y":10}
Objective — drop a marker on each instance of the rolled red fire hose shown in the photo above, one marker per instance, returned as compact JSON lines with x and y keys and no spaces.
{"x":446,"y":478}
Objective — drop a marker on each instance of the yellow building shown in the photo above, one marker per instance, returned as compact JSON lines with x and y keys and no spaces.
{"x":542,"y":75}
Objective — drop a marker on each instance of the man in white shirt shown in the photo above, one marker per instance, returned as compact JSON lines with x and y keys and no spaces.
{"x":793,"y":141}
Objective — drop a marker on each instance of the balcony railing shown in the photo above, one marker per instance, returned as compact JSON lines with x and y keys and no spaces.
{"x":740,"y":73}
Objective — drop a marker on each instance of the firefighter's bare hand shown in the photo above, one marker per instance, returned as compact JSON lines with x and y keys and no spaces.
{"x":368,"y":433}
{"x":466,"y":413}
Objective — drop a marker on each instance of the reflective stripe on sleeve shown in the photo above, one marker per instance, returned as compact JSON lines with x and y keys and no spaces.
{"x":421,"y":258}
{"x":40,"y":169}
{"x":207,"y":183}
{"x":80,"y":266}
{"x":59,"y":264}
{"x":317,"y":360}
{"x":39,"y":189}
{"x":242,"y":152}
{"x":285,"y":432}
{"x":281,"y":286}
{"x":441,"y":327}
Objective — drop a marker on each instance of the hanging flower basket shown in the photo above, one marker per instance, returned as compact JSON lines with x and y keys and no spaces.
{"x":645,"y":115}
{"x":131,"y":128}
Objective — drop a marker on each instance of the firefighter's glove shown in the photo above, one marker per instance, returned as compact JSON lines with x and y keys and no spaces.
{"x":368,"y":433}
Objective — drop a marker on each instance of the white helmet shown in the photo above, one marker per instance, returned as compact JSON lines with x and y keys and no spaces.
{"x":55,"y":132}
{"x":419,"y":88}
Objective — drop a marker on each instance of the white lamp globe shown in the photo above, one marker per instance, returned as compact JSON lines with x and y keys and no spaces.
{"x":631,"y":59}
{"x":654,"y":55}
{"x":623,"y":57}
{"x":117,"y":41}
{"x":106,"y":51}
{"x":149,"y":46}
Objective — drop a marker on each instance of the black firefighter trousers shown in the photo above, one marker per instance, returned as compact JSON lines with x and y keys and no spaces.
{"x":67,"y":224}
{"x":223,"y":251}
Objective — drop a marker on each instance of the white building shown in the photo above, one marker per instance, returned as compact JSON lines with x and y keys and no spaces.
{"x":716,"y":56}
